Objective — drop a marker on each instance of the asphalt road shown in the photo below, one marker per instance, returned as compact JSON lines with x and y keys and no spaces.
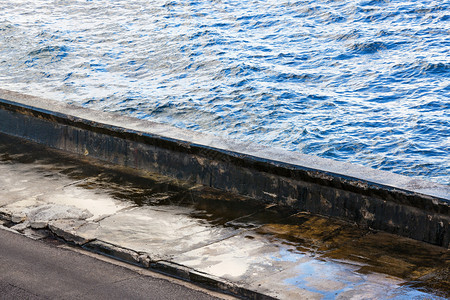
{"x":31,"y":269}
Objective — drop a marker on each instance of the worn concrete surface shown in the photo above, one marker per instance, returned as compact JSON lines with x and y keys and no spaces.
{"x":207,"y":236}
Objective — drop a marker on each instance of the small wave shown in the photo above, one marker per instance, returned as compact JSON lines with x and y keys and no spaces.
{"x":48,"y":51}
{"x":436,"y":68}
{"x":241,"y":69}
{"x":343,"y":56}
{"x":422,"y":68}
{"x":427,"y":10}
{"x":332,"y":18}
{"x":318,"y":97}
{"x":383,"y":32}
{"x":170,"y":4}
{"x":385,"y":99}
{"x":374,"y":2}
{"x":368,"y":47}
{"x":352,"y":34}
{"x":309,"y":11}
{"x":433,"y":106}
{"x":289,"y":77}
{"x":6,"y":27}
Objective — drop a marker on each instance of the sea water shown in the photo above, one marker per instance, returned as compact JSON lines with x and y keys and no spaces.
{"x":362,"y":81}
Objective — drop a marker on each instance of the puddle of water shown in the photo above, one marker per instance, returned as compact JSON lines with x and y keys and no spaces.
{"x":58,"y":190}
{"x":160,"y":232}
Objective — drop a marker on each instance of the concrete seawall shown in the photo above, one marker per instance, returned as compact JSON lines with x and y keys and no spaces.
{"x":371,"y":198}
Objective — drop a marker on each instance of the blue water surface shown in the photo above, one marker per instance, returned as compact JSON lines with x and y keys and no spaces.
{"x":366,"y":82}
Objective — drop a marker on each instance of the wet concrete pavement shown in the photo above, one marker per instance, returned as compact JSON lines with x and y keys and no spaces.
{"x":209,"y":237}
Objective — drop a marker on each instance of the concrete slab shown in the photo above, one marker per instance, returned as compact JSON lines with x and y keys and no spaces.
{"x":242,"y":258}
{"x":69,"y":230}
{"x":41,"y":215}
{"x":161,"y":231}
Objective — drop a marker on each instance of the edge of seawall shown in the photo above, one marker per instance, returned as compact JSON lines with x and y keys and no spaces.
{"x":372,"y":198}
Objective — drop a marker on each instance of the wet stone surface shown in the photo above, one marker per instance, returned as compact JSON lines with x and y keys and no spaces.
{"x":151,"y":218}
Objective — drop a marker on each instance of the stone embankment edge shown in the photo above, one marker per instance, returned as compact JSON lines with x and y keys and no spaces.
{"x":380,"y":200}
